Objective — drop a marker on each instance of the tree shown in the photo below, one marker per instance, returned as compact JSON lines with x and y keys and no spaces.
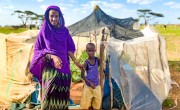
{"x":40,"y":18}
{"x":24,"y":16}
{"x":29,"y":15}
{"x":178,"y":18}
{"x":148,"y":15}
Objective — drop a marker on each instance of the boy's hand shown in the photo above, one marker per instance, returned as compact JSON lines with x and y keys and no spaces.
{"x":78,"y":65}
{"x":82,"y":69}
{"x":92,"y":85}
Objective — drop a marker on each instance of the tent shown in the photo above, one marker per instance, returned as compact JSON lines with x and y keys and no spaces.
{"x":138,"y":61}
{"x":119,"y":28}
{"x":90,"y":26}
{"x":140,"y":69}
{"x":16,"y":83}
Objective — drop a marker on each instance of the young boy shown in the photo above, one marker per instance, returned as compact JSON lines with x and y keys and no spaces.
{"x":91,"y":94}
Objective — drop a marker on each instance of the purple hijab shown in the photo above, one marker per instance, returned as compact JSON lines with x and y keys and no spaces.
{"x":52,"y":40}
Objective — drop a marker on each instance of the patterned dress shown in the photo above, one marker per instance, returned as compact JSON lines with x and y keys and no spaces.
{"x":55,"y":89}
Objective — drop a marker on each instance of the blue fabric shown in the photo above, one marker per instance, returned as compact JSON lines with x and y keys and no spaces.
{"x":117,"y":97}
{"x":35,"y":94}
{"x":106,"y":88}
{"x":71,"y":102}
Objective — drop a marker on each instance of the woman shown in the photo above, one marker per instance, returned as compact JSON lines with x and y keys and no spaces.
{"x":50,"y":63}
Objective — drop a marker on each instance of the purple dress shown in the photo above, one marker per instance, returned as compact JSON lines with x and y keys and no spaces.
{"x":55,"y":82}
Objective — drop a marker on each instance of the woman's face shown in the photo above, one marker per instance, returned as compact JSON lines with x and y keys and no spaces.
{"x":54,"y":17}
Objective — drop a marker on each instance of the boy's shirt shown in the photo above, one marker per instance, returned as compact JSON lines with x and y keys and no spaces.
{"x":92,"y":72}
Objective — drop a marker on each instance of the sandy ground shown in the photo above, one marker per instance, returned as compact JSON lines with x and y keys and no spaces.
{"x":76,"y":92}
{"x":174,"y":93}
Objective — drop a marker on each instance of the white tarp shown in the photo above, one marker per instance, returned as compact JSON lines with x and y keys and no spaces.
{"x":140,"y":68}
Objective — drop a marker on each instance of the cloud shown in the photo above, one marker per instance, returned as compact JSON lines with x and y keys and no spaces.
{"x":169,"y":3}
{"x":1,"y":12}
{"x":107,"y":5}
{"x":40,"y":0}
{"x":6,"y":10}
{"x":74,"y":1}
{"x":141,"y":2}
{"x":8,"y":7}
{"x":76,"y":9}
{"x":113,"y":5}
{"x":63,"y":9}
{"x":93,"y":3}
{"x":172,"y":4}
{"x":44,"y":7}
{"x":66,"y":5}
{"x":5,"y":0}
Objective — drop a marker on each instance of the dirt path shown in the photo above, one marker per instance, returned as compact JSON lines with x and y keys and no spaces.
{"x":175,"y":91}
{"x":75,"y":93}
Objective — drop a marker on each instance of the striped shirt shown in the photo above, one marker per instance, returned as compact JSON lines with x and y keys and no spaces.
{"x":92,"y":72}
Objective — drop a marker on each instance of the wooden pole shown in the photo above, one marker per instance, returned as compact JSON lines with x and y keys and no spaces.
{"x":96,"y":41}
{"x":110,"y":82}
{"x":77,"y":47}
{"x":102,"y":59}
{"x":90,"y":36}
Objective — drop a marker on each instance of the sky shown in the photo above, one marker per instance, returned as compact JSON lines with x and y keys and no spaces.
{"x":75,"y":10}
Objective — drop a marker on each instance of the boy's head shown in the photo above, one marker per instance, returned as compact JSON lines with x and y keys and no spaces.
{"x":90,"y":49}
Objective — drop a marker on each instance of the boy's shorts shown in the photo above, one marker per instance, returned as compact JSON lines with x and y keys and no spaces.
{"x":91,"y":97}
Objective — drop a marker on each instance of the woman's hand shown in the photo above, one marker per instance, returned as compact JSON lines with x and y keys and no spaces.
{"x":57,"y":61}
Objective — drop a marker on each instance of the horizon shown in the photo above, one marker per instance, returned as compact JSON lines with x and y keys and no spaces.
{"x":76,"y":10}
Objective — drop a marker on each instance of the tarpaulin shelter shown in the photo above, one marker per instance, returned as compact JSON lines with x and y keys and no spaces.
{"x":140,"y":69}
{"x":90,"y":25}
{"x":16,"y":83}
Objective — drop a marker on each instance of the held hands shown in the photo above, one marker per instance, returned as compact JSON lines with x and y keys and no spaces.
{"x":57,"y":61}
{"x":78,"y":65}
{"x":92,"y":85}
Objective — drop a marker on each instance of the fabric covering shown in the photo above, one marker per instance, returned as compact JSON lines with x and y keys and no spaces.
{"x":140,"y":69}
{"x":90,"y":25}
{"x":16,"y":83}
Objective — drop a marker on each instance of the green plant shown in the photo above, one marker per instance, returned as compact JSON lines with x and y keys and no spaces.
{"x":175,"y":65}
{"x":76,"y":72}
{"x":83,"y":57}
{"x":8,"y":30}
{"x":168,"y":102}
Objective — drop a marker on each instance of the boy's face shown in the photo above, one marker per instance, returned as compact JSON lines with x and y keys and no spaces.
{"x":54,"y":17}
{"x":90,"y":49}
